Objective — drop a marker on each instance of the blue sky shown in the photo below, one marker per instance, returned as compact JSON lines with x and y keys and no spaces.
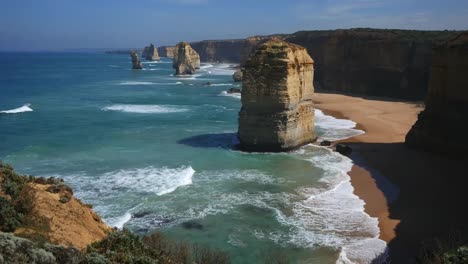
{"x":62,"y":24}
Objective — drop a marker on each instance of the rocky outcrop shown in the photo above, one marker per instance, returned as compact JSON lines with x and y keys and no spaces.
{"x":46,"y":209}
{"x":219,"y":50}
{"x":237,"y":76}
{"x":166,"y":51}
{"x":186,"y":59}
{"x":150,"y":53}
{"x":443,"y":124}
{"x":277,"y":112}
{"x":136,"y":63}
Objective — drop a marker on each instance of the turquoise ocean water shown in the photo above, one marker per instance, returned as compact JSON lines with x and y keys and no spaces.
{"x":152,"y":151}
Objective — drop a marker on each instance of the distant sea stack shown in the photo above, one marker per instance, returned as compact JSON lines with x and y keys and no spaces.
{"x":443,"y":124}
{"x":150,"y":53}
{"x":186,"y":59}
{"x":136,"y":63}
{"x":167,"y":52}
{"x":277,"y":112}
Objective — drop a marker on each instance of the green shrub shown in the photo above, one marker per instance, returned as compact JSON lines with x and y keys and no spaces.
{"x":10,"y":219}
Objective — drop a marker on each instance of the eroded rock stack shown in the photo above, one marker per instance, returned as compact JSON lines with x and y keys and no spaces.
{"x":443,"y":124}
{"x":136,"y":63}
{"x":186,"y":59}
{"x":150,"y":53}
{"x":277,"y":111}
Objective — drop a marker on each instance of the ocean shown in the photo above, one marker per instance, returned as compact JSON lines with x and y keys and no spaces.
{"x":154,"y":152}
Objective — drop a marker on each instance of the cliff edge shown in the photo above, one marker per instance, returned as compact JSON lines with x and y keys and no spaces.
{"x":443,"y":123}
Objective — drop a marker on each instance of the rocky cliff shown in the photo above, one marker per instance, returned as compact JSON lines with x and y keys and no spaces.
{"x":150,"y":53}
{"x":277,"y":112}
{"x":186,"y":59}
{"x":166,"y":51}
{"x":391,"y":63}
{"x":45,"y":209}
{"x":219,"y":50}
{"x":136,"y":63}
{"x":443,"y":123}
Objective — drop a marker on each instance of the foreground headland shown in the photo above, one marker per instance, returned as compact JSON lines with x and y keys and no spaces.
{"x":415,"y":195}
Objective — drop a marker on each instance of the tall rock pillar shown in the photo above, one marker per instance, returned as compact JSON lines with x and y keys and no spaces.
{"x":277,"y":111}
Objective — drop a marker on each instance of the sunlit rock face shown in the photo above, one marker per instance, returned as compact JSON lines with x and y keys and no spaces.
{"x":277,"y":111}
{"x":186,"y":59}
{"x":442,"y":125}
{"x":150,"y":53}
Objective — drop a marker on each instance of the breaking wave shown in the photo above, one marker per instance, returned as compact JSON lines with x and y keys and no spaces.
{"x":145,"y":109}
{"x":22,"y":109}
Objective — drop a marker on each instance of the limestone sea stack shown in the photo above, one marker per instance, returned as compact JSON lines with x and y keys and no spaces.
{"x":277,"y":112}
{"x":136,"y":63}
{"x":186,"y":59}
{"x":150,"y":53}
{"x":443,"y":124}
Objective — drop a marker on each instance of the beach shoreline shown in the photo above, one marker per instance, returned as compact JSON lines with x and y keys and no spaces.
{"x":414,"y":194}
{"x":365,"y":186}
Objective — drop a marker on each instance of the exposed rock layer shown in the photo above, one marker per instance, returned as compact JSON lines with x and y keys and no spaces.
{"x":277,"y":111}
{"x":442,"y":125}
{"x":136,"y":63}
{"x":186,"y":59}
{"x":150,"y":53}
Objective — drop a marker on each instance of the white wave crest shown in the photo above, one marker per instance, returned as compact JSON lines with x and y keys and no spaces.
{"x":135,"y":83}
{"x":234,"y":95}
{"x":22,"y":109}
{"x":145,"y":109}
{"x":331,"y":128}
{"x":119,"y":222}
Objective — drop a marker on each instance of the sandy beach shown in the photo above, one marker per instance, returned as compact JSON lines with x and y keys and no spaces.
{"x":414,"y":194}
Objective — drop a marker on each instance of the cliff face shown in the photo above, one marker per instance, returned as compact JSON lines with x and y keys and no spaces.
{"x":150,"y":53}
{"x":391,"y":63}
{"x":186,"y":59}
{"x":46,"y":209}
{"x":277,"y":111}
{"x":444,"y":122}
{"x":167,"y":52}
{"x":136,"y":63}
{"x":219,"y":50}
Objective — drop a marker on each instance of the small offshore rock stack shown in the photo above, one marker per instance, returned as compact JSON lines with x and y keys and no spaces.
{"x":277,"y":112}
{"x":150,"y":53}
{"x":186,"y":59}
{"x":237,"y":76}
{"x":442,"y":126}
{"x":136,"y":63}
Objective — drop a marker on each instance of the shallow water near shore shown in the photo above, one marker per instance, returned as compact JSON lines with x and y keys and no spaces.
{"x":152,"y":151}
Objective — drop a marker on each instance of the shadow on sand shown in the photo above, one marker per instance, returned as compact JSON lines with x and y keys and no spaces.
{"x":432,"y":194}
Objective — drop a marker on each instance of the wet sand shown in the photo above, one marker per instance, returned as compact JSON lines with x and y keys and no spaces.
{"x":415,"y":195}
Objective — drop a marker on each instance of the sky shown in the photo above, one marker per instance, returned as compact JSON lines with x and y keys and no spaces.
{"x":69,"y":24}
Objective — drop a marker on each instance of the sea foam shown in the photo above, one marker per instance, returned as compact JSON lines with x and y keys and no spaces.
{"x":145,"y":109}
{"x":233,"y":95}
{"x":22,"y":109}
{"x":331,"y":128}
